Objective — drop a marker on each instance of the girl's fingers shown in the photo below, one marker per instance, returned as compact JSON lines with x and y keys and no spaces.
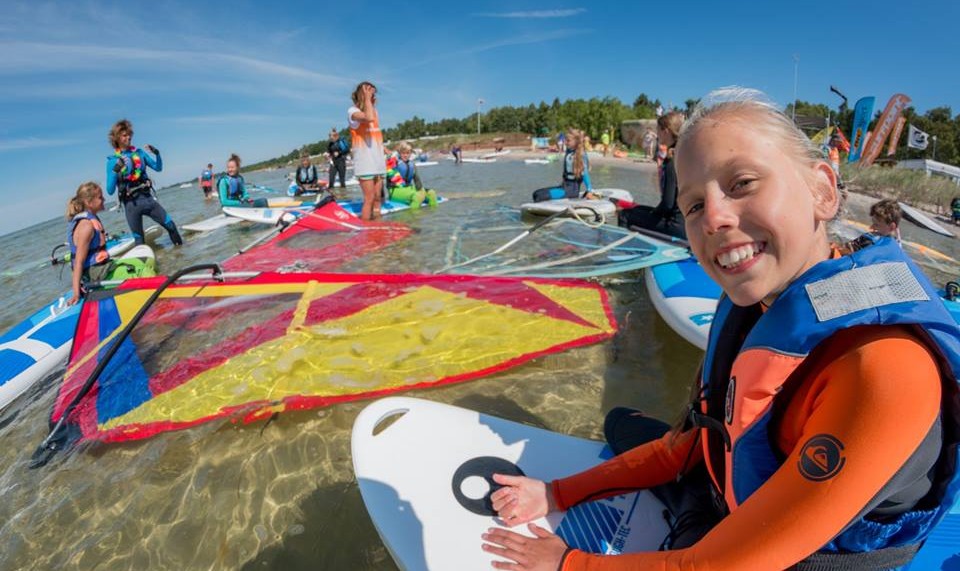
{"x":502,"y":506}
{"x":506,"y":480}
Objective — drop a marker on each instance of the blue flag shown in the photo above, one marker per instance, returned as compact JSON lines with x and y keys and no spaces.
{"x":861,"y":120}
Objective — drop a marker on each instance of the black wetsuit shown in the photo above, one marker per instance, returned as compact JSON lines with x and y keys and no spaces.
{"x":338,"y":154}
{"x":666,"y":216}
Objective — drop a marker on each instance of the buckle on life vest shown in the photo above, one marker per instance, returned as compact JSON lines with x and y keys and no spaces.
{"x":132,"y":192}
{"x":699,"y":420}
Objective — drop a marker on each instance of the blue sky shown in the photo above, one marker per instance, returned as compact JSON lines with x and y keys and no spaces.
{"x":201,"y":80}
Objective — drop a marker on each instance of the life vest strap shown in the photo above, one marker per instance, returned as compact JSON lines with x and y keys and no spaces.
{"x":699,"y":420}
{"x":133,"y":191}
{"x":888,"y":558}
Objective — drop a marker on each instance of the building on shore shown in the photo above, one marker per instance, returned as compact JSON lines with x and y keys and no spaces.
{"x":932,"y":168}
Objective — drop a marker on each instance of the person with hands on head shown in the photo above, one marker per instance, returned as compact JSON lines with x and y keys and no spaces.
{"x":800,"y":447}
{"x":232,"y":188}
{"x":366,"y":143}
{"x":127,"y":176}
{"x":87,"y":239}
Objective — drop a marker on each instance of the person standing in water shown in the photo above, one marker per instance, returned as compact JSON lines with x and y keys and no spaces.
{"x":337,"y":150}
{"x":787,"y":455}
{"x":127,"y":176}
{"x":206,"y":181}
{"x":366,"y":142}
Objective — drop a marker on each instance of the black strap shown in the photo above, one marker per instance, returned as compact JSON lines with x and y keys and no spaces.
{"x":889,"y":558}
{"x":130,"y":192}
{"x":699,"y":420}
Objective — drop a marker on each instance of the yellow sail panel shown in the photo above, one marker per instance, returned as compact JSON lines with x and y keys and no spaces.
{"x":422,"y":335}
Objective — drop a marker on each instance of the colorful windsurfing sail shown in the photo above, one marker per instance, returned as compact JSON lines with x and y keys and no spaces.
{"x":321,"y":241}
{"x":562,"y":247}
{"x":252,"y":347}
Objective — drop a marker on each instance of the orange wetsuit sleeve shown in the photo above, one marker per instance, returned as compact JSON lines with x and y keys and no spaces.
{"x":879,"y":400}
{"x":651,"y":464}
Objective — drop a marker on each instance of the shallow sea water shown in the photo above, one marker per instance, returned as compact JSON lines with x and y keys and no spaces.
{"x":281,"y":494}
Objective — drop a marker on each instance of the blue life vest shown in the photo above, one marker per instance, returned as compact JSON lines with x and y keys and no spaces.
{"x":568,"y":159}
{"x":406,"y":170}
{"x":236,"y":191}
{"x":877,"y":285}
{"x":307,"y":175}
{"x":97,"y":252}
{"x":207,"y":175}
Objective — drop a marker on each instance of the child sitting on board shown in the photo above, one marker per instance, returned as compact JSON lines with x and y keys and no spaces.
{"x":403,"y":180}
{"x":786,"y":454}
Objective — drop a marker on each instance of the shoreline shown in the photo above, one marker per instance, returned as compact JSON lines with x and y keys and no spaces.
{"x":857,"y":196}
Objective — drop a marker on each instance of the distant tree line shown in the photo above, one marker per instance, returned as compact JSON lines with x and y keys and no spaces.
{"x":596,"y":115}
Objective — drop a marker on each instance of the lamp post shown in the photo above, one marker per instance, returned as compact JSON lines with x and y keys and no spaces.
{"x":479,"y":103}
{"x":796,"y":71}
{"x":934,"y":137}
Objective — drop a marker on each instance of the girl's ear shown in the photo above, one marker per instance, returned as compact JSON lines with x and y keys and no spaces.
{"x":826,"y":197}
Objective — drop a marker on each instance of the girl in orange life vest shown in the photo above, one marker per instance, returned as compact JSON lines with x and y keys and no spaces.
{"x":86,"y":237}
{"x":366,"y":142}
{"x":822,"y":474}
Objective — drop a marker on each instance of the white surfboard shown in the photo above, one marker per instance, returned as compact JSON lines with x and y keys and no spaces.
{"x":582,"y":206}
{"x":264,"y":215}
{"x":424,"y":478}
{"x":920,"y":219}
{"x":685,"y":297}
{"x":496,"y":154}
{"x":480,"y":160}
{"x":536,"y":161}
{"x":427,"y":163}
{"x":218,"y":221}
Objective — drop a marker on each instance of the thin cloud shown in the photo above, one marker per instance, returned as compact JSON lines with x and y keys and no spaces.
{"x":33,"y":143}
{"x":33,"y":57}
{"x":564,"y":13}
{"x":524,"y":39}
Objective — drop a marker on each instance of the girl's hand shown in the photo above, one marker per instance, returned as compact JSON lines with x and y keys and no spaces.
{"x":73,"y":300}
{"x":543,"y":552}
{"x":521,"y":499}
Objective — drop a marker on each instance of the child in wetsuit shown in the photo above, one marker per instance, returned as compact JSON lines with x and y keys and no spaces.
{"x":232,"y":188}
{"x":576,"y":171}
{"x":822,"y":428}
{"x":403,"y":180}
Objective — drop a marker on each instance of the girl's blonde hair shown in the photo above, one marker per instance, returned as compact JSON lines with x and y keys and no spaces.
{"x":404,"y":147}
{"x":119,"y":128}
{"x":358,"y":94}
{"x":86,"y":192}
{"x":754,"y":107}
{"x":578,"y":164}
